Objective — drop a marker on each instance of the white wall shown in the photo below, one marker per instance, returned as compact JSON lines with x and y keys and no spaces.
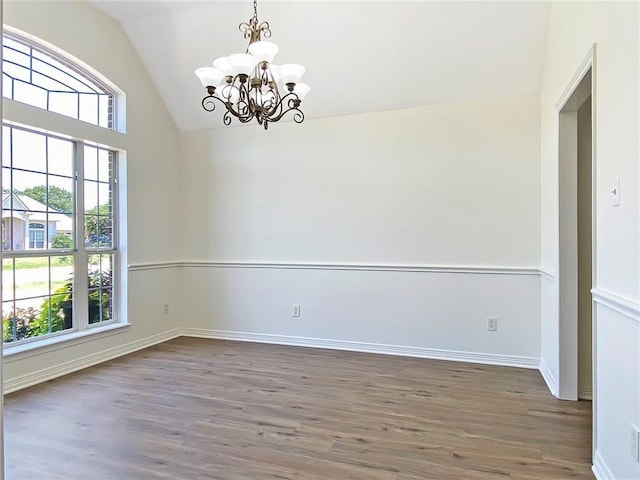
{"x":388,"y":217}
{"x":574,"y":27}
{"x":151,"y":174}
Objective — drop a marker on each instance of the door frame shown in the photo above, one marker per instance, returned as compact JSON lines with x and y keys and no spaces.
{"x":582,"y":84}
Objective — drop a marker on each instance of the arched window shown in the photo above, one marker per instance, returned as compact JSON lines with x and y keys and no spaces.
{"x":60,"y":200}
{"x":32,"y":75}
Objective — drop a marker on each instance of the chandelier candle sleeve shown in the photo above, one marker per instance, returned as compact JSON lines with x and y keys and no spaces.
{"x":249,"y":86}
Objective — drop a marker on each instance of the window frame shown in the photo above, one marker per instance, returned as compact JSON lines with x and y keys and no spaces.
{"x":24,"y":116}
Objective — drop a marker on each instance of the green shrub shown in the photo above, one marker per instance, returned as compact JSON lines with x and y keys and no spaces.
{"x":19,"y":324}
{"x":56,"y":311}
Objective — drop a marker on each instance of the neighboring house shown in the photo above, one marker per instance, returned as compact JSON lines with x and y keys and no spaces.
{"x":25,"y":222}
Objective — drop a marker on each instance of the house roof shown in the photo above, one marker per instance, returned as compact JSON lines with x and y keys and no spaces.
{"x":360,"y":56}
{"x":37,"y":211}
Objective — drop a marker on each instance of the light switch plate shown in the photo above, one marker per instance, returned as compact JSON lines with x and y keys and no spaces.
{"x":616,"y":192}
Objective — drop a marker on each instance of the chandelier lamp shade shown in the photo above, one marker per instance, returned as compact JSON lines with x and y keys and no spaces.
{"x":249,"y":85}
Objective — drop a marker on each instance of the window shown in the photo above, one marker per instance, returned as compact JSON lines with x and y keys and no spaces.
{"x":36,"y":235}
{"x":59,"y":202}
{"x":31,"y":75}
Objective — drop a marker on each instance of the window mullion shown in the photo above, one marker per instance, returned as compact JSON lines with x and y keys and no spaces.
{"x":81,"y":281}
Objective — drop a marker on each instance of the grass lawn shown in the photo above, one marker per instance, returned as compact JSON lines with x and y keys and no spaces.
{"x":37,"y":262}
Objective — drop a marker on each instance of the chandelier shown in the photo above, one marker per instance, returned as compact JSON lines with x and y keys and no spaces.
{"x":249,"y":85}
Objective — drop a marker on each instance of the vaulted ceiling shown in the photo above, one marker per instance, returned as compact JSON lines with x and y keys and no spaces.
{"x":360,"y":56}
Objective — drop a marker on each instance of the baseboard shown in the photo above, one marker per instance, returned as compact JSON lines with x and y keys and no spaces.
{"x":549,"y":378}
{"x":436,"y":354}
{"x":65,"y":368}
{"x":600,"y":468}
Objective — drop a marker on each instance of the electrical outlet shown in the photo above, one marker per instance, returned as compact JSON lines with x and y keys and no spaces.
{"x":165,"y":308}
{"x":635,"y":443}
{"x":296,"y":311}
{"x":492,"y":324}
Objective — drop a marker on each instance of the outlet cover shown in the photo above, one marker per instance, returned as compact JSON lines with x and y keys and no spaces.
{"x":492,"y":324}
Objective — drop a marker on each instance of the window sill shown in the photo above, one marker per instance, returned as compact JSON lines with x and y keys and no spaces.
{"x":58,"y":342}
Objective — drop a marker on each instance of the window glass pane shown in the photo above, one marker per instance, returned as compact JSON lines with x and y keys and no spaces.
{"x":6,"y":186}
{"x":7,"y":86}
{"x":29,"y":151}
{"x":6,"y":146}
{"x":60,"y":157}
{"x":16,"y":72}
{"x":89,"y":107}
{"x":13,"y":45}
{"x":98,"y":198}
{"x":105,"y":163}
{"x":30,"y":191}
{"x":105,"y":116}
{"x":90,"y":196}
{"x":30,"y":94}
{"x":64,"y":103}
{"x":40,"y":300}
{"x":100,"y":288}
{"x":7,"y":279}
{"x":90,"y":163}
{"x":104,"y":197}
{"x":60,"y":195}
{"x":98,"y":231}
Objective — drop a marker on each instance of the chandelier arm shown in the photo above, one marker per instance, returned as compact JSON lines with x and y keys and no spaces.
{"x":273,"y":108}
{"x":208,"y":102}
{"x":226,"y":118}
{"x":292,"y":102}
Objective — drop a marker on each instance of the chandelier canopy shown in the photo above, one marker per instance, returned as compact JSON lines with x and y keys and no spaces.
{"x":249,"y":85}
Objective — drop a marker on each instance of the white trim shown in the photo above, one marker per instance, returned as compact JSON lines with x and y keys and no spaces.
{"x":59,"y":341}
{"x":65,"y":368}
{"x":625,"y":306}
{"x":399,"y":350}
{"x":135,"y":267}
{"x":547,"y":274}
{"x":582,"y":70}
{"x":549,"y":377}
{"x":490,"y":269}
{"x":367,"y":267}
{"x":600,"y":468}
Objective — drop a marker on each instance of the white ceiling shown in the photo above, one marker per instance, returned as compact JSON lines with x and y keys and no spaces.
{"x":361,"y":56}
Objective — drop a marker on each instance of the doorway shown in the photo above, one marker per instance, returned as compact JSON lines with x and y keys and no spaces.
{"x":576,"y":240}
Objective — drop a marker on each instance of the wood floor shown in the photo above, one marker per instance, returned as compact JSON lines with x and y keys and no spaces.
{"x":206,"y":409}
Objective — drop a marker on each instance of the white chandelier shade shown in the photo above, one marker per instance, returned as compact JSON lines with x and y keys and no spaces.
{"x":263,"y":51}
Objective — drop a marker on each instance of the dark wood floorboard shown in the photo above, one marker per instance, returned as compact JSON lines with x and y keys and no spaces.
{"x":193,"y":409}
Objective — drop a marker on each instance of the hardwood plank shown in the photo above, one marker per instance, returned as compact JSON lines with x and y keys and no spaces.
{"x":220,"y":410}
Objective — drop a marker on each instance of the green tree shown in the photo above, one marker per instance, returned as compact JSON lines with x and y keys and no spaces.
{"x":57,"y":198}
{"x":63,"y":240}
{"x":97,"y":225}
